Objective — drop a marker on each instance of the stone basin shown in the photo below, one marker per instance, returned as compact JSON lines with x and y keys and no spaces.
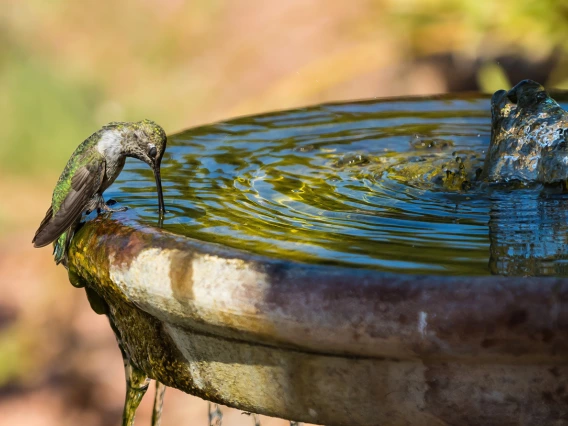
{"x":329,"y":340}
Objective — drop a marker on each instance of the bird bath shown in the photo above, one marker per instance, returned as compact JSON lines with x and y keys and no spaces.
{"x":329,"y":265}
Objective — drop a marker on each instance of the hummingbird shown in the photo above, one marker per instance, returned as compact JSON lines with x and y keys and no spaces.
{"x":92,"y":168}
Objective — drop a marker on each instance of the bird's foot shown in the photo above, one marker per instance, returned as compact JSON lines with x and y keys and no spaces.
{"x":105,"y":207}
{"x":112,"y":202}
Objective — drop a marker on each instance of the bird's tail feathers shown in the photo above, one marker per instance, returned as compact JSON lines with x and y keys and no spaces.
{"x":60,"y":247}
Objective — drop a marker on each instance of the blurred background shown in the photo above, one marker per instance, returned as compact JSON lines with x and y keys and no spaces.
{"x":68,"y":67}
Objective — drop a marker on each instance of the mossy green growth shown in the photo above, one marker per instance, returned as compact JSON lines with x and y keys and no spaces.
{"x":445,"y":170}
{"x":140,"y":335}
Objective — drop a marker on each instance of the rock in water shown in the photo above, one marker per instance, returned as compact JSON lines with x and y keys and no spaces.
{"x":529,"y":135}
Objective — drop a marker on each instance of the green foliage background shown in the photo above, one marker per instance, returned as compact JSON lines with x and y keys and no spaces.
{"x":68,"y":67}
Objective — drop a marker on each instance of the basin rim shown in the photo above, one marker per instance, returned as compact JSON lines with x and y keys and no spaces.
{"x":324,"y":309}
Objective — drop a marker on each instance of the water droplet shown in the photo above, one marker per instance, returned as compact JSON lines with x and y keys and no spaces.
{"x":136,"y":386}
{"x":158,"y":403}
{"x":215,"y":414}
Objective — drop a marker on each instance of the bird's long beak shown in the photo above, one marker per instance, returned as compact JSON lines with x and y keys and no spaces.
{"x":159,"y":188}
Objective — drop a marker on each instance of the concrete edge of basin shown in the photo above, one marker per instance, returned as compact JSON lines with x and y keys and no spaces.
{"x":322,"y":308}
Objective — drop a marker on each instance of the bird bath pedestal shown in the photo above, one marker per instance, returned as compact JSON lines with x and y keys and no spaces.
{"x":326,"y":340}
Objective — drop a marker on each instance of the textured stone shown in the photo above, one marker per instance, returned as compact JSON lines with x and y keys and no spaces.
{"x":529,"y":136}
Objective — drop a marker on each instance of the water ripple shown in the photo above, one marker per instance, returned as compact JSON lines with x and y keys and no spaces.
{"x":314,"y":185}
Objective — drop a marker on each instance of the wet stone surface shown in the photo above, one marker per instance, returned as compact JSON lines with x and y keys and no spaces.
{"x":529,"y":137}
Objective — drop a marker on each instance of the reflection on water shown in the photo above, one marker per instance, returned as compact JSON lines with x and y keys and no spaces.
{"x":528,"y":231}
{"x":324,"y":185}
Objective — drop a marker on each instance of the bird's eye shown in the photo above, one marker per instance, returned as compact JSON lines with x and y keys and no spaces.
{"x":152,"y":152}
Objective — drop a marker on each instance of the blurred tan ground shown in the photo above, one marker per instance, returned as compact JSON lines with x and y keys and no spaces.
{"x":68,"y":67}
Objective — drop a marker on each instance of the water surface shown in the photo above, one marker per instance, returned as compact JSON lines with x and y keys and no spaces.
{"x":314,"y":185}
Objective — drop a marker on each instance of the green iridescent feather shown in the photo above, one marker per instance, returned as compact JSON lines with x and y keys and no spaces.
{"x":85,"y":154}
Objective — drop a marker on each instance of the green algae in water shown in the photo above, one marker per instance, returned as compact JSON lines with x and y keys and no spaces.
{"x":350,"y":184}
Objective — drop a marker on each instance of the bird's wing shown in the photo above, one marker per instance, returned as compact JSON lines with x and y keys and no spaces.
{"x":85,"y":183}
{"x":46,"y":219}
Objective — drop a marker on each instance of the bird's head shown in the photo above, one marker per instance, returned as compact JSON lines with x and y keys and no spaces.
{"x":146,"y":141}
